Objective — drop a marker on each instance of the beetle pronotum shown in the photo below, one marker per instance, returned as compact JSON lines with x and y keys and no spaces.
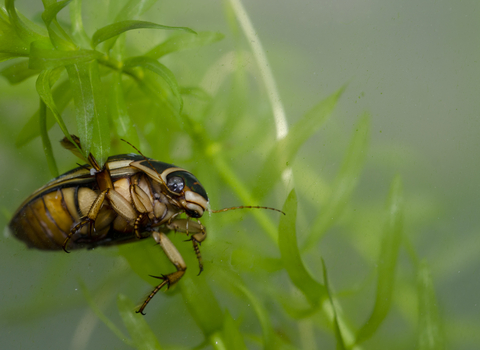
{"x":131,"y":197}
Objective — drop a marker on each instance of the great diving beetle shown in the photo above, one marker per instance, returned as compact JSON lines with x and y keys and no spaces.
{"x":131,"y":197}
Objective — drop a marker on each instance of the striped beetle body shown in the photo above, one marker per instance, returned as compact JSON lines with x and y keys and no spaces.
{"x":131,"y":197}
{"x":46,"y":218}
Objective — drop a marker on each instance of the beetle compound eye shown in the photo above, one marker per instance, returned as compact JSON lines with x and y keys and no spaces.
{"x":175,"y":184}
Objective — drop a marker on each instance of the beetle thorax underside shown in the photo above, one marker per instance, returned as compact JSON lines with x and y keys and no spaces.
{"x":181,"y":188}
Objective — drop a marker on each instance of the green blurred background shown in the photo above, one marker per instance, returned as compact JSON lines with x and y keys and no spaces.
{"x":413,"y":66}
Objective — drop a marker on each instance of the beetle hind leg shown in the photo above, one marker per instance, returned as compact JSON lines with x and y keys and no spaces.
{"x":76,"y":228}
{"x":152,"y":294}
{"x":174,"y":256}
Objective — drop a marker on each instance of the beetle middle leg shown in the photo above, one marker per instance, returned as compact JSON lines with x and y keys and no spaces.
{"x":88,"y":219}
{"x":174,"y":256}
{"x":118,"y":203}
{"x":198,"y":232}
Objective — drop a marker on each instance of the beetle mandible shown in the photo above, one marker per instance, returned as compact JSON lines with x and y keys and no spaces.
{"x":130,"y":198}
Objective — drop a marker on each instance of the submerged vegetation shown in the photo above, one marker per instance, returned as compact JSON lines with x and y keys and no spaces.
{"x":267,"y":280}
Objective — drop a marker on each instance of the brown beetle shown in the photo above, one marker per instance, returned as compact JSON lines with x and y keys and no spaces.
{"x":131,"y":197}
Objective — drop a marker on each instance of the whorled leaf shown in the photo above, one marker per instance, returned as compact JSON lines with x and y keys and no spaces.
{"x":130,"y":10}
{"x":115,"y":29}
{"x":42,"y":57}
{"x":260,"y":311}
{"x":161,"y":96}
{"x":202,"y":303}
{"x":118,"y":111}
{"x":61,"y":95}
{"x":134,"y":8}
{"x":77,"y":30}
{"x":90,"y":109}
{"x":336,"y":324}
{"x":59,"y":38}
{"x":96,"y":310}
{"x":196,"y":92}
{"x":43,"y":86}
{"x":52,"y":10}
{"x":292,"y":261}
{"x":18,"y":72}
{"x":284,"y":150}
{"x":184,"y":41}
{"x":430,"y":332}
{"x":137,"y":326}
{"x":159,"y":69}
{"x":25,"y":29}
{"x":11,"y":45}
{"x":231,"y":335}
{"x":344,"y":184}
{"x":387,"y":261}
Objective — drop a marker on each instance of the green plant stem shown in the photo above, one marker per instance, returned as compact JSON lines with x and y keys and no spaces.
{"x":264,"y":67}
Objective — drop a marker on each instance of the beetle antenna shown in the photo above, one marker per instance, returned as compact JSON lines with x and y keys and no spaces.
{"x":247,"y":207}
{"x":148,"y":160}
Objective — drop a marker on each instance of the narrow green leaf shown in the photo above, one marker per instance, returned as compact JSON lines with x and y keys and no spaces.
{"x":138,"y":328}
{"x":101,"y":127}
{"x":344,"y":184}
{"x":11,"y":45}
{"x":284,"y":150}
{"x":52,"y":10}
{"x":47,"y":58}
{"x":134,"y":8}
{"x":47,"y":146}
{"x":18,"y":72}
{"x":201,"y":303}
{"x":231,"y":334}
{"x":115,"y":330}
{"x":263,"y":316}
{"x":3,"y":15}
{"x":5,"y":56}
{"x":387,"y":261}
{"x":336,"y":325}
{"x":196,"y":92}
{"x":156,"y":92}
{"x":78,"y":31}
{"x":184,"y":41}
{"x":287,"y":242}
{"x":61,"y":95}
{"x":44,"y":90}
{"x":59,"y":38}
{"x":26,"y":30}
{"x":159,"y":69}
{"x":430,"y":335}
{"x":118,"y":111}
{"x":90,"y":109}
{"x":118,"y":28}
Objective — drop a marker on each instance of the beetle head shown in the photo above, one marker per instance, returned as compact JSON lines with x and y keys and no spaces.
{"x":186,"y":188}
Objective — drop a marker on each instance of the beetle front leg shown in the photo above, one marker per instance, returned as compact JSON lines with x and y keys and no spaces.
{"x":174,"y":256}
{"x":198,"y":232}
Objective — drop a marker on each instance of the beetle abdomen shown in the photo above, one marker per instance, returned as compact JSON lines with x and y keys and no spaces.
{"x":45,"y":222}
